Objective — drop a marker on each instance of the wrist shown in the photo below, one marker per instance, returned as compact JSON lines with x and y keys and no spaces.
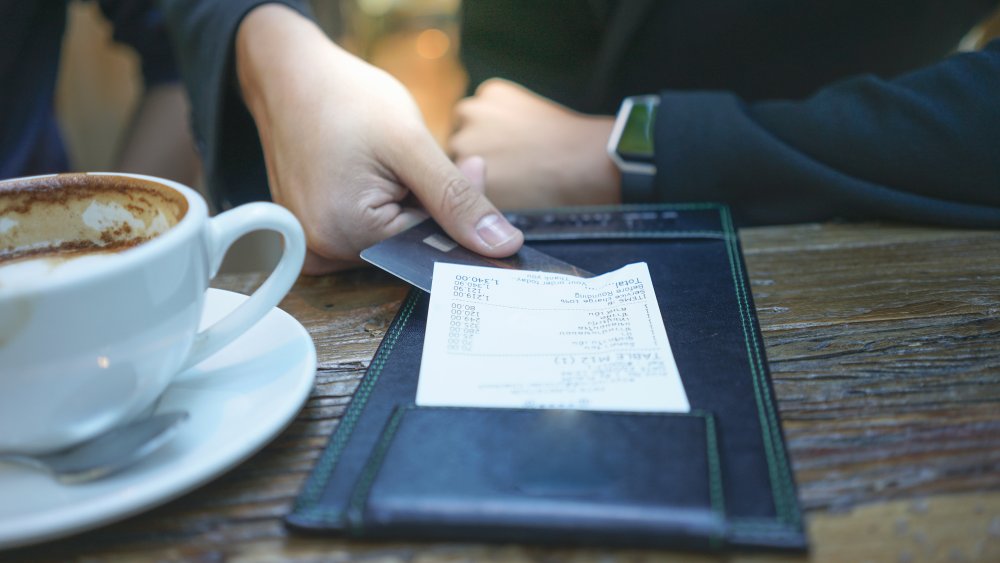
{"x":603,"y":174}
{"x":630,"y":147}
{"x":274,"y":49}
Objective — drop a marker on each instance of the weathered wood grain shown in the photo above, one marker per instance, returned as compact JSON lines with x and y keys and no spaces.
{"x":346,"y":314}
{"x":884,"y":346}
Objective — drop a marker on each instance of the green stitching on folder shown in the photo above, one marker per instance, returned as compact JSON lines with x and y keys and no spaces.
{"x":791,"y":507}
{"x":784,"y":500}
{"x":766,"y":434}
{"x":327,"y":463}
{"x":362,"y":489}
{"x":785,"y":504}
{"x":356,"y":506}
{"x":714,"y":467}
{"x":760,"y":525}
{"x":693,"y":206}
{"x":601,"y":235}
{"x":685,"y":234}
{"x":715,"y":493}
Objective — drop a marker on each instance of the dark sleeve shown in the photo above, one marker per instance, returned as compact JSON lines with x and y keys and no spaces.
{"x":922,"y":147}
{"x":140,"y":24}
{"x":204,"y":32}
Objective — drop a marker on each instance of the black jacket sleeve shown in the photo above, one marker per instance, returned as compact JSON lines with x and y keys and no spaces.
{"x":203,"y":33}
{"x":922,"y":147}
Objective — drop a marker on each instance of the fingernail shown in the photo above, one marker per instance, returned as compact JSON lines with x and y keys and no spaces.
{"x":495,"y":230}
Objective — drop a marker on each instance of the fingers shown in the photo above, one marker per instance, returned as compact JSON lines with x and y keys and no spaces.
{"x":490,"y":97}
{"x":477,"y":123}
{"x":456,"y":202}
{"x":474,"y":168}
{"x":497,"y":86}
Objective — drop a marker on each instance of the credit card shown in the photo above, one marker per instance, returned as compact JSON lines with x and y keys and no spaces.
{"x":411,"y":255}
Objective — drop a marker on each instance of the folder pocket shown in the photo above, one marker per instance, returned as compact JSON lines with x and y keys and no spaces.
{"x":542,"y":475}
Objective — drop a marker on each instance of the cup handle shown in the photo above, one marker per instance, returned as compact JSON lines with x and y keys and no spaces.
{"x":222,"y":231}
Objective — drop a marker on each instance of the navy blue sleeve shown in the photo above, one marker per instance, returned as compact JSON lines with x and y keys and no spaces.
{"x":922,"y":147}
{"x":204,"y":32}
{"x":140,"y":24}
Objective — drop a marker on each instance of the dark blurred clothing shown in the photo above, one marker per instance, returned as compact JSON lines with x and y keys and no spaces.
{"x":788,"y":110}
{"x":32,"y":33}
{"x":923,"y":147}
{"x":591,"y":54}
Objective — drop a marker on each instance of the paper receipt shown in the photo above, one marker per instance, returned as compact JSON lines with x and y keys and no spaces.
{"x":519,"y":339}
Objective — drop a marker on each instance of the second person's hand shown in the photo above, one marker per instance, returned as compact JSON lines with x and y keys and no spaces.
{"x":538,"y":153}
{"x":346,"y":148}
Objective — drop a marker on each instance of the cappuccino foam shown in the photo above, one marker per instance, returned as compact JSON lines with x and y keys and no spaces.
{"x":73,"y":222}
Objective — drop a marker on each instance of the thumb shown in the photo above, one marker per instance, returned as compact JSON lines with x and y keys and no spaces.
{"x":456,"y":199}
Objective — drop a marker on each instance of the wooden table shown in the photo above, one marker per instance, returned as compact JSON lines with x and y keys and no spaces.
{"x":884,"y":343}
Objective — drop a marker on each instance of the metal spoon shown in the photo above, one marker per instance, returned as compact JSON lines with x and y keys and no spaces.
{"x":108,"y":453}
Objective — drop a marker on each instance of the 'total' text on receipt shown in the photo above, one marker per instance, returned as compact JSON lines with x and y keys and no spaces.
{"x":518,"y":339}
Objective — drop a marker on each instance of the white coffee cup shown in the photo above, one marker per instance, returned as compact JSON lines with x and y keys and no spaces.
{"x":102,"y":284}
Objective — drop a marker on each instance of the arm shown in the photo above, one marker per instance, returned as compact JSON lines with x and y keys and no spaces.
{"x":922,"y":147}
{"x":538,"y":153}
{"x":918,"y":148}
{"x":342,"y":144}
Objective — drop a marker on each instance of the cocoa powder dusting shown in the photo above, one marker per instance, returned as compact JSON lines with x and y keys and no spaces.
{"x":19,"y":196}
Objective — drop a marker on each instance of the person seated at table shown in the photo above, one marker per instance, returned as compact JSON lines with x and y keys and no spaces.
{"x":282,"y":112}
{"x":158,"y":141}
{"x":800,"y":111}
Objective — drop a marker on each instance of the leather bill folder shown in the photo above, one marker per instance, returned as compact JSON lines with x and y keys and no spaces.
{"x":716,"y":477}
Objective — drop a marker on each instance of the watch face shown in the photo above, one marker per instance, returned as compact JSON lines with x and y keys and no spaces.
{"x":636,"y":142}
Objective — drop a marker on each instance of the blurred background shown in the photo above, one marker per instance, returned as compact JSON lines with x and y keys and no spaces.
{"x":414,"y":40}
{"x":99,"y":82}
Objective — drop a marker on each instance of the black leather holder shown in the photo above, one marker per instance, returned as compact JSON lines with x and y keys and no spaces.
{"x":715,"y":477}
{"x":535,"y":475}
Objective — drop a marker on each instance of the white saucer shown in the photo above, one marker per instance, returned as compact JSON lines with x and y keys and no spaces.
{"x":239,"y":399}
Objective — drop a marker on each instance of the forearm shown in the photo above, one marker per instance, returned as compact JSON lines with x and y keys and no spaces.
{"x":537,"y":153}
{"x":204,"y":33}
{"x":921,"y":147}
{"x":276,"y":48}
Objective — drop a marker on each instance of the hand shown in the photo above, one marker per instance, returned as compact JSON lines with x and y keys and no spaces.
{"x":346,"y":148}
{"x":537,"y":153}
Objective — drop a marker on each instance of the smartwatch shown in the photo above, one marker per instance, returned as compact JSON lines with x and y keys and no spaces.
{"x":631,"y":147}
